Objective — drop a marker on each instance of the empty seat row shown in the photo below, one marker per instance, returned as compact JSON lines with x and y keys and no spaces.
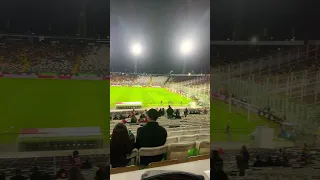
{"x":179,"y":151}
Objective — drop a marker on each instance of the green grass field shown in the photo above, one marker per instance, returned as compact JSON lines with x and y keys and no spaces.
{"x":240,"y":127}
{"x":46,"y":103}
{"x":149,"y":97}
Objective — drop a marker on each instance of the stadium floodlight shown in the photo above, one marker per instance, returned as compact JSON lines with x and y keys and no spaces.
{"x":136,"y":49}
{"x":186,"y":47}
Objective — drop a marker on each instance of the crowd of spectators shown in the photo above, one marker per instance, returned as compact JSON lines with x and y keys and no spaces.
{"x":150,"y":135}
{"x":137,"y":116}
{"x":50,"y":55}
{"x":125,"y":79}
{"x":236,"y":54}
{"x":122,"y":79}
{"x":264,"y":158}
{"x":73,"y":169}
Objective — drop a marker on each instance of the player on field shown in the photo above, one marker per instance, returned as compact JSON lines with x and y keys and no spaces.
{"x":228,"y":129}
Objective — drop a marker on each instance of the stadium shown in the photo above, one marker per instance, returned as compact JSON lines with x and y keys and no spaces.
{"x":159,"y":91}
{"x":270,"y":99}
{"x":140,"y":92}
{"x":159,"y":79}
{"x":264,"y":95}
{"x":53,"y":103}
{"x":134,"y":94}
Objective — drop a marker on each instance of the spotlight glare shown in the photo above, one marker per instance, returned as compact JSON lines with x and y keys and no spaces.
{"x":186,"y":47}
{"x":136,"y":49}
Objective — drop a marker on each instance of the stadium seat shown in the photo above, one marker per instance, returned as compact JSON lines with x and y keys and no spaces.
{"x":273,"y":177}
{"x":190,"y":132}
{"x":152,"y":151}
{"x":163,"y":163}
{"x":204,"y":147}
{"x":171,"y":140}
{"x":188,"y":138}
{"x":286,"y":177}
{"x":191,"y":128}
{"x":300,"y":177}
{"x":123,"y":169}
{"x":134,"y":156}
{"x":202,"y":137}
{"x":134,"y":133}
{"x":176,"y":133}
{"x":180,"y":151}
{"x":204,"y":131}
{"x":198,"y":158}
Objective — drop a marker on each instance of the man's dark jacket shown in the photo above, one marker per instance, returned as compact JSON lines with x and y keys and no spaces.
{"x":151,"y":135}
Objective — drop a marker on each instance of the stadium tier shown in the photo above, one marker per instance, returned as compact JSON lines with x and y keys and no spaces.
{"x":193,"y":129}
{"x":50,"y":82}
{"x":49,"y":55}
{"x":54,"y":99}
{"x":280,"y":163}
{"x":277,"y":90}
{"x":50,"y":162}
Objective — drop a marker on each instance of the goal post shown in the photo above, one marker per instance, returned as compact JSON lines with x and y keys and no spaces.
{"x":240,"y":108}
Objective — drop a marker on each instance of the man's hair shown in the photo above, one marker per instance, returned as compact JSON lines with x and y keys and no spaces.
{"x":153,"y":114}
{"x":75,"y":153}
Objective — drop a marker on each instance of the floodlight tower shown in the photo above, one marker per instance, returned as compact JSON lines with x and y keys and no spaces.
{"x":185,"y":49}
{"x":136,"y":51}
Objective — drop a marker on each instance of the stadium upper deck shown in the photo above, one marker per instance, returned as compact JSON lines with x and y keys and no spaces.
{"x":38,"y":54}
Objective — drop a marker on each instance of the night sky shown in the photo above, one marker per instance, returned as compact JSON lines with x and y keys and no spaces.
{"x":60,"y":17}
{"x":159,"y":25}
{"x":250,"y":17}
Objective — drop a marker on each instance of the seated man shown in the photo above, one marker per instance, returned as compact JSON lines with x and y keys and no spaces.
{"x":151,"y":135}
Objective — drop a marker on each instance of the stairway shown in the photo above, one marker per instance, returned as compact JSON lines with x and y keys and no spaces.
{"x":76,"y":66}
{"x":167,"y":80}
{"x":25,"y":66}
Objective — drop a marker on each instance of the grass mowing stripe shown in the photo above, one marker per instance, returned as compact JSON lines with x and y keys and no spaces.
{"x":240,"y":127}
{"x":147,"y":96}
{"x":47,"y":103}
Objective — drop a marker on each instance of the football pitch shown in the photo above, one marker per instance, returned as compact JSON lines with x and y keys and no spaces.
{"x":50,"y":103}
{"x":148,"y":96}
{"x":240,"y":127}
